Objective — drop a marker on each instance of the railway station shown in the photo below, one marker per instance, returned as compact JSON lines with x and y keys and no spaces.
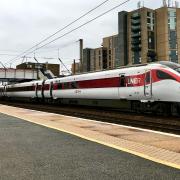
{"x":45,"y":134}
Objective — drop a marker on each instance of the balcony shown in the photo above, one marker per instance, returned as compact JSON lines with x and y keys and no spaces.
{"x":135,"y":16}
{"x":135,"y":28}
{"x":136,"y":41}
{"x":136,"y":35}
{"x":135,"y":22}
{"x":136,"y":48}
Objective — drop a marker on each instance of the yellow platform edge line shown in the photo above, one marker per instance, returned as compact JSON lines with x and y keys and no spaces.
{"x":103,"y":143}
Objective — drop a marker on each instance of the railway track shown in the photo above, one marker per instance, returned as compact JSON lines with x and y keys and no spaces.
{"x":164,"y":124}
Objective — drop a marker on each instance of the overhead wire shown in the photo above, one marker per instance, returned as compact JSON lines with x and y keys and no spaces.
{"x":78,"y":27}
{"x":115,"y":7}
{"x":4,"y":54}
{"x":81,"y":25}
{"x":99,"y":5}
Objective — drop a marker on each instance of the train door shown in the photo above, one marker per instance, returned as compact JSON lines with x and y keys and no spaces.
{"x":122,"y":84}
{"x":5,"y":90}
{"x":36,"y":90}
{"x":42,"y":89}
{"x":148,"y":84}
{"x":51,"y":90}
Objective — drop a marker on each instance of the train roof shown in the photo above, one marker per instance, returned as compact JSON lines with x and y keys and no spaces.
{"x":112,"y":72}
{"x":107,"y":73}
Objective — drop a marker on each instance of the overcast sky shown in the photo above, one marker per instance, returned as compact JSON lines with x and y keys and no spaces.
{"x":23,"y":23}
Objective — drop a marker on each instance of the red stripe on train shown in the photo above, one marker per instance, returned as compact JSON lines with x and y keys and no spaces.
{"x":129,"y":81}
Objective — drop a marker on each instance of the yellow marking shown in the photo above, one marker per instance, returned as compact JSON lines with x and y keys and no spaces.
{"x":105,"y":144}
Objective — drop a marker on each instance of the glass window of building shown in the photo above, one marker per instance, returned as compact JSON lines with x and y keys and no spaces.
{"x":99,"y":62}
{"x":172,"y":18}
{"x":172,"y":39}
{"x":135,"y":15}
{"x":149,"y":14}
{"x":151,"y":41}
{"x":171,"y":12}
{"x":150,"y":27}
{"x":110,"y":43}
{"x":150,"y":22}
{"x":173,"y":56}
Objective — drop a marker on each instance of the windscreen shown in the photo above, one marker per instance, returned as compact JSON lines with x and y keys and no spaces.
{"x":171,"y":65}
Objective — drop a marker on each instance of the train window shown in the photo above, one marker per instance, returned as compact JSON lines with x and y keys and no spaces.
{"x":122,"y":81}
{"x":163,"y":75}
{"x":66,"y":85}
{"x":177,"y":69}
{"x":74,"y":85}
{"x":59,"y":86}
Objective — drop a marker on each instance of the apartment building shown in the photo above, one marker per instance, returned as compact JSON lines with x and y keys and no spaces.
{"x":86,"y":60}
{"x":168,"y":34}
{"x":144,"y":35}
{"x":75,"y":68}
{"x":153,"y":35}
{"x":141,"y":36}
{"x":98,"y":59}
{"x":111,"y":45}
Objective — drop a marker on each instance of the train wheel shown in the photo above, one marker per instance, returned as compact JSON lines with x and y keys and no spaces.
{"x":164,"y":109}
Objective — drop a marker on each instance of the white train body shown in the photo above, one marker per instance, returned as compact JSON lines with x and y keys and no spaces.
{"x":147,"y":83}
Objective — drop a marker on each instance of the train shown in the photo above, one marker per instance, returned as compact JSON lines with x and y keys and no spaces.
{"x":152,"y":88}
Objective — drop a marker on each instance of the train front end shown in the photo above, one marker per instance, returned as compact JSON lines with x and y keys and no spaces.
{"x":167,"y":82}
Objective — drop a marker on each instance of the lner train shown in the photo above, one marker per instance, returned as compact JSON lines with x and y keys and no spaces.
{"x":145,"y":88}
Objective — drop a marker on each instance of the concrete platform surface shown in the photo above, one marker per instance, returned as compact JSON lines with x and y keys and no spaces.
{"x":144,"y":143}
{"x":30,"y":151}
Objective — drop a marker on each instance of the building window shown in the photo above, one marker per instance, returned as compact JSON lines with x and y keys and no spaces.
{"x":171,"y":12}
{"x":140,"y":60}
{"x":173,"y":56}
{"x":29,"y":66}
{"x":149,"y":14}
{"x":150,"y":23}
{"x":149,"y":20}
{"x":110,"y":64}
{"x":136,"y":58}
{"x":163,"y":75}
{"x":172,"y":40}
{"x":110,"y":43}
{"x":172,"y":19}
{"x":151,"y":41}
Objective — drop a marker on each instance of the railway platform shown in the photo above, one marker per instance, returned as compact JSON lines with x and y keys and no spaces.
{"x":40,"y":145}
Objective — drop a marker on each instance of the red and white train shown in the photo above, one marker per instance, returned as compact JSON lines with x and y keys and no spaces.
{"x":151,"y":87}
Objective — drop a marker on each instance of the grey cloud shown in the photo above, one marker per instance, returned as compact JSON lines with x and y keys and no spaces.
{"x":24,"y":23}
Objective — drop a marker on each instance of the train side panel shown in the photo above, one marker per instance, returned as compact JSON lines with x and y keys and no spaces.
{"x":92,"y":93}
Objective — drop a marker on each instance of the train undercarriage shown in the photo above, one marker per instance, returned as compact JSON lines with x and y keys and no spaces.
{"x":154,"y":108}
